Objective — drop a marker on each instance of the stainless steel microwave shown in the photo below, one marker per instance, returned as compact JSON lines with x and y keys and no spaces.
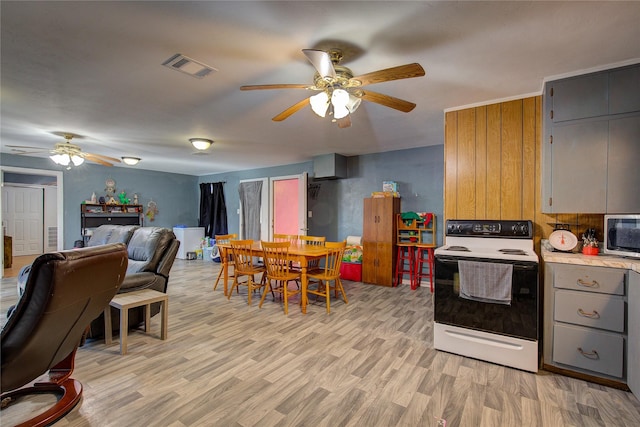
{"x":622,"y":235}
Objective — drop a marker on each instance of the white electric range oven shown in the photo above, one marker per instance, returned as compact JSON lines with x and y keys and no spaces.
{"x":487,"y":299}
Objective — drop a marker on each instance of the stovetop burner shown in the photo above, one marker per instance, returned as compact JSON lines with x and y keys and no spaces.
{"x":458,"y":248}
{"x":513,"y":251}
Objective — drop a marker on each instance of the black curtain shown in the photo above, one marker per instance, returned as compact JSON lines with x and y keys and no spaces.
{"x":213,"y":209}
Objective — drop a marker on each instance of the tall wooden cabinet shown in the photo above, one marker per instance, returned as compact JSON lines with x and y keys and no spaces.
{"x":379,"y":240}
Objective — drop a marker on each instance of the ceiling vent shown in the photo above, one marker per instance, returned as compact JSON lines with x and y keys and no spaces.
{"x":189,"y":66}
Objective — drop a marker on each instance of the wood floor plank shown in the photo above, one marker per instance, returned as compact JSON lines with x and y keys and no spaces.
{"x":369,"y":363}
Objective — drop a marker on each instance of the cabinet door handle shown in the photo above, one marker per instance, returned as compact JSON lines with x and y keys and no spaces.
{"x":593,"y":355}
{"x":593,"y":315}
{"x":592,"y":284}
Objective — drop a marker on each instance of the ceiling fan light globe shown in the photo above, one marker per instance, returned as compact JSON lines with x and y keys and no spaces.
{"x":320,"y":103}
{"x":77,"y":160}
{"x":354,"y":103}
{"x":339,"y":100}
{"x":61,"y":159}
{"x":340,"y":112}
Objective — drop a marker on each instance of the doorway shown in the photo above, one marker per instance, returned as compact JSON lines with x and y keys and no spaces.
{"x":53,"y":218}
{"x":23,"y":218}
{"x":289,"y":205}
{"x":282,"y":206}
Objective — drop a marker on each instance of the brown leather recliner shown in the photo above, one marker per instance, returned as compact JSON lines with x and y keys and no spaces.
{"x":64,"y":292}
{"x":151,"y":251}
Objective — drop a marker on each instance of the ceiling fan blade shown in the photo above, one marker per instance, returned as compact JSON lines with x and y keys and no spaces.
{"x":344,"y":122}
{"x":94,"y":159}
{"x":19,"y":151}
{"x":19,"y":147}
{"x":276,"y":86}
{"x":388,"y":101}
{"x":395,"y":73}
{"x":293,"y":109}
{"x":321,"y":60}
{"x":107,"y":158}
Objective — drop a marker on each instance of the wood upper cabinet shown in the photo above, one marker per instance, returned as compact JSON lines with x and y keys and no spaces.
{"x":378,"y":240}
{"x":590,"y":149}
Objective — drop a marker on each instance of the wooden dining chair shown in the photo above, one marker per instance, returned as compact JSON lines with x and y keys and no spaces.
{"x":278,"y":263}
{"x":315,"y":241}
{"x":293,"y":238}
{"x":329,"y":272}
{"x":224,"y":253}
{"x":244,"y":266}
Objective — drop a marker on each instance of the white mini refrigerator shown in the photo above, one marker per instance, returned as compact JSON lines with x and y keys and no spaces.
{"x":190,"y":239}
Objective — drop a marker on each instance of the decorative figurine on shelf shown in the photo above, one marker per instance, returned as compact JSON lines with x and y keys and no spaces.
{"x":135,"y":199}
{"x":93,"y":198}
{"x":152,"y":210}
{"x":110,"y":188}
{"x":101,"y":200}
{"x":123,"y":198}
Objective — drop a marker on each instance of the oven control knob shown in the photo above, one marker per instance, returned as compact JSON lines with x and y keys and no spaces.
{"x":520,"y":229}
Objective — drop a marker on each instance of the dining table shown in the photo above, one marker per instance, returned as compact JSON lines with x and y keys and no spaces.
{"x":298,"y":253}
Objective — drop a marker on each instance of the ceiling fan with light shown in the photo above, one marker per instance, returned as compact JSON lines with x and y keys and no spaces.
{"x":339,"y":92}
{"x":66,"y":153}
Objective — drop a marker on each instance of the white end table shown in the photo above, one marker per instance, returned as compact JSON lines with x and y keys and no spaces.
{"x":128,"y":300}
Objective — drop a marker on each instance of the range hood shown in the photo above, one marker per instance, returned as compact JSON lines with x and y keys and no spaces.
{"x":329,"y":166}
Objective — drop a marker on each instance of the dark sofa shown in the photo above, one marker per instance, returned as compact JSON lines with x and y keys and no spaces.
{"x":151,"y":252}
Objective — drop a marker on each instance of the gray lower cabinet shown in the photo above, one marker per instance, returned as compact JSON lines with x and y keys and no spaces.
{"x":633,"y":371}
{"x":585,"y":321}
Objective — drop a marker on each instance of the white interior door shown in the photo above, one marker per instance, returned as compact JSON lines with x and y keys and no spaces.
{"x":23,"y":217}
{"x":289,"y":204}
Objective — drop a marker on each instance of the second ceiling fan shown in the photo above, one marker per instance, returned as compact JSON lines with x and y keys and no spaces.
{"x":339,"y":91}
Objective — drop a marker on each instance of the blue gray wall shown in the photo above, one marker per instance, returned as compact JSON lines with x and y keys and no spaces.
{"x":337,"y":210}
{"x":176,"y":195}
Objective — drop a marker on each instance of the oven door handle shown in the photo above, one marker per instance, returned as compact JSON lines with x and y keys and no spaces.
{"x":454,"y":261}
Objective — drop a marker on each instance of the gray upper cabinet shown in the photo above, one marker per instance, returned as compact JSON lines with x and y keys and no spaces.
{"x":580,"y":97}
{"x":580,"y":161}
{"x":591,"y":145}
{"x":623,"y":173}
{"x":624,"y":90}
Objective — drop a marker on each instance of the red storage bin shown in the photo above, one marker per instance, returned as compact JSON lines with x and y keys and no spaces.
{"x":351,"y":271}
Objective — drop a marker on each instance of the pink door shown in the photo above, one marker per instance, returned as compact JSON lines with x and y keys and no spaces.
{"x":289,"y":205}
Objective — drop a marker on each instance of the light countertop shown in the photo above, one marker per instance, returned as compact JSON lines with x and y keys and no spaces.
{"x":600,"y":260}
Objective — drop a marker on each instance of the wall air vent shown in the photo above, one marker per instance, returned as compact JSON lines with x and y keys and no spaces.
{"x":189,"y":66}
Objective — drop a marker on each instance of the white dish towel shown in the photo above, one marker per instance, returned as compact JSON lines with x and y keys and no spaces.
{"x":486,"y":281}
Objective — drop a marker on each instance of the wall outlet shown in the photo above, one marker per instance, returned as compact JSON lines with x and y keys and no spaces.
{"x":310,"y":214}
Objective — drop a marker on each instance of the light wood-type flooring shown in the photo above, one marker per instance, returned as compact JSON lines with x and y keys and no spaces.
{"x":16,"y":265}
{"x":369,"y":363}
